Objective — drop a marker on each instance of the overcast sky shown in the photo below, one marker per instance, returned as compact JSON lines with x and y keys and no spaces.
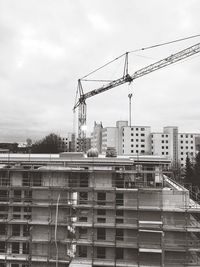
{"x":46,"y":45}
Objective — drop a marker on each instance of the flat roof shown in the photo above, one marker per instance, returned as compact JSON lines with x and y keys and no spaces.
{"x":80,"y":157}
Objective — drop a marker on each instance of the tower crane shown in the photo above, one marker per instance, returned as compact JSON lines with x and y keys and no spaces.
{"x":126,"y":78}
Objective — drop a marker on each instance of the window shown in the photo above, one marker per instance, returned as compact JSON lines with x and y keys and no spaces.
{"x":142,"y":145}
{"x":120,"y":213}
{"x":131,"y":140}
{"x":162,"y":135}
{"x":83,"y":180}
{"x":132,"y":134}
{"x":36,"y":178}
{"x":186,"y":136}
{"x":82,"y":251}
{"x":2,"y":229}
{"x":136,"y":134}
{"x":82,"y":219}
{"x":167,"y":153}
{"x":25,"y":179}
{"x":186,"y":142}
{"x":16,"y":229}
{"x":163,"y":153}
{"x":27,"y":213}
{"x":166,"y":147}
{"x":181,"y":153}
{"x":16,"y":212}
{"x":142,"y":134}
{"x":3,"y":212}
{"x":166,"y":141}
{"x":2,"y":247}
{"x":82,"y":232}
{"x":26,"y":230}
{"x":136,"y":145}
{"x":101,"y":198}
{"x":83,"y":197}
{"x":119,"y":199}
{"x":136,"y":129}
{"x":101,"y":220}
{"x":101,"y":234}
{"x":131,"y":145}
{"x":181,"y":135}
{"x":3,"y":195}
{"x":142,"y":151}
{"x":15,"y":248}
{"x":142,"y":140}
{"x":132,"y":151}
{"x":162,"y":141}
{"x":163,"y":147}
{"x":119,"y":253}
{"x":101,"y":252}
{"x":191,"y":147}
{"x":101,"y":212}
{"x":17,"y":195}
{"x":27,"y":196}
{"x":119,"y":234}
{"x":25,"y":248}
{"x":142,"y":129}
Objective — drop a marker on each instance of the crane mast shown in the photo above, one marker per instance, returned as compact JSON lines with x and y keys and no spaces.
{"x":81,"y":103}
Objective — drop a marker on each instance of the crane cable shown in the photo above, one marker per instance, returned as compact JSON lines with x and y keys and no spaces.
{"x":141,"y":49}
{"x":166,"y":43}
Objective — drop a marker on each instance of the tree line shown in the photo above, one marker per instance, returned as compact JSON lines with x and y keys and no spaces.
{"x":49,"y":144}
{"x":192,"y":172}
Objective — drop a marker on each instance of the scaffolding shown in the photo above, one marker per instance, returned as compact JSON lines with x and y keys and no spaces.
{"x":94,"y":213}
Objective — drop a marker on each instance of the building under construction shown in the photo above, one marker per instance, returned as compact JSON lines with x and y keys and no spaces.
{"x":72,"y":210}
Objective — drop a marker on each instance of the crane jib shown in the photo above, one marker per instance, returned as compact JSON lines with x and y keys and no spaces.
{"x":190,"y":51}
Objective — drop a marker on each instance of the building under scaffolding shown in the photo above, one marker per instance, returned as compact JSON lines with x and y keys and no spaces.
{"x":70,"y":210}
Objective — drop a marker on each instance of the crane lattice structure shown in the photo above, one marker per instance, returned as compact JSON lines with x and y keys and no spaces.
{"x":126,"y":78}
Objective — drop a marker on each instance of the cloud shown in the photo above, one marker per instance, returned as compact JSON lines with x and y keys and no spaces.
{"x":45,"y":47}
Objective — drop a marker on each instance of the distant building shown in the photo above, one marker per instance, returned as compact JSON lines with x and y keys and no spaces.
{"x":112,"y":137}
{"x":166,"y":143}
{"x":139,"y":140}
{"x":63,"y":144}
{"x":96,"y":136}
{"x":188,"y":144}
{"x":136,"y":140}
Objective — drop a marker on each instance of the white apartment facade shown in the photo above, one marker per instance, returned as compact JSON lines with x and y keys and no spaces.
{"x":188,"y":144}
{"x":137,"y":140}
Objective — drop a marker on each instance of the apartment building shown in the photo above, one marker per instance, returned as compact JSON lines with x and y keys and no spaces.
{"x":140,"y":140}
{"x":96,"y":136}
{"x":136,"y":140}
{"x":166,"y":144}
{"x":188,"y":144}
{"x":113,"y":137}
{"x":70,"y":210}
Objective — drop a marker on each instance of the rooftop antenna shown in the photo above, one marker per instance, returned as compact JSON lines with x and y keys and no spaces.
{"x":130,"y":96}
